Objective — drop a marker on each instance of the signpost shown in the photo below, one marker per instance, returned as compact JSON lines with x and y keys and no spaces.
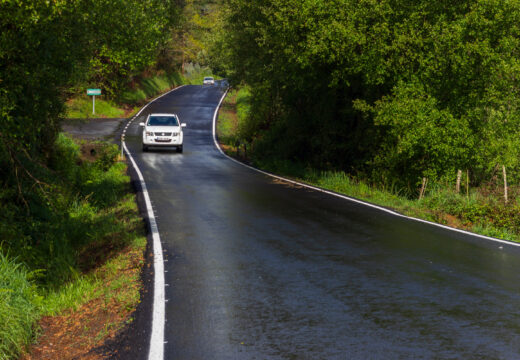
{"x":93,"y":93}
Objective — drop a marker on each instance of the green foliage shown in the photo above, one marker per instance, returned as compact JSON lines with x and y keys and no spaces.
{"x":58,"y":220}
{"x":142,"y":89}
{"x":118,"y":226}
{"x":243,"y":96}
{"x":482,"y":210}
{"x":421,"y":139}
{"x":70,"y":225}
{"x":127,"y":36}
{"x":192,"y":36}
{"x":393,"y":90}
{"x":47,"y":47}
{"x":41,"y":48}
{"x":65,"y":157}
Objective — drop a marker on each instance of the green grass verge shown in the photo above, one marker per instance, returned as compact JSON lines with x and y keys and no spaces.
{"x":479,"y":211}
{"x":129,"y":101}
{"x":150,"y":87}
{"x":78,"y":245}
{"x":475,"y":213}
{"x":232,"y":116}
{"x":19,"y":307}
{"x":127,"y":226}
{"x":81,"y":108}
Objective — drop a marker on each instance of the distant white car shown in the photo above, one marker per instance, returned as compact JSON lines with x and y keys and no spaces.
{"x":162,"y":130}
{"x":208,"y":80}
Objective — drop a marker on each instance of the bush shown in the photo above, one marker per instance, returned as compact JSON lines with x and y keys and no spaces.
{"x":65,"y":156}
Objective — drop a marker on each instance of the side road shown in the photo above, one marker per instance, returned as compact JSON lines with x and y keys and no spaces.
{"x":94,"y":128}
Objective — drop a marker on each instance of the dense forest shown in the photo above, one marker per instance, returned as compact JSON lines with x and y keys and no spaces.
{"x":393,"y":91}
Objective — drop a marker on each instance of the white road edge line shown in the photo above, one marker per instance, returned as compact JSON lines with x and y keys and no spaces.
{"x":344,"y":196}
{"x":158,"y":317}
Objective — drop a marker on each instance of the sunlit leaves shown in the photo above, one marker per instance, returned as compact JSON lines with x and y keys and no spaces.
{"x":405,"y":88}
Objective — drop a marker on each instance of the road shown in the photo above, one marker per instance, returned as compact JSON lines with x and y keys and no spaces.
{"x":259,"y":269}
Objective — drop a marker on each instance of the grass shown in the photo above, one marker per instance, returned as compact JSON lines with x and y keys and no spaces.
{"x":104,"y":277}
{"x":128,"y":102}
{"x":475,"y":213}
{"x":232,"y":114}
{"x":480,"y":211}
{"x":81,"y":108}
{"x":90,"y":242}
{"x":19,"y":307}
{"x":227,"y":128}
{"x":150,"y":87}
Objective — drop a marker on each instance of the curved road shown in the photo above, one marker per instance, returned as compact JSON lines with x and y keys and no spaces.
{"x":258,"y":269}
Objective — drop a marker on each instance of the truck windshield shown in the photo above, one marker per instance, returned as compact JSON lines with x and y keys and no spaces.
{"x":163,"y":121}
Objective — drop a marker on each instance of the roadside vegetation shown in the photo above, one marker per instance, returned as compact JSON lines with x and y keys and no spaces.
{"x":387,"y":96}
{"x":415,"y":107}
{"x":71,"y":240}
{"x":137,"y":94}
{"x":75,"y":242}
{"x":478,"y":209}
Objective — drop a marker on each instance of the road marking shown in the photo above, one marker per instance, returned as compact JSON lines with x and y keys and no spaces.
{"x":156,"y":349}
{"x":344,"y":196}
{"x":157,"y":342}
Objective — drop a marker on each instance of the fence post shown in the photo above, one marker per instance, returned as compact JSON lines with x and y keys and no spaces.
{"x":505,"y":183}
{"x":457,"y":187}
{"x":423,"y":188}
{"x":467,"y":184}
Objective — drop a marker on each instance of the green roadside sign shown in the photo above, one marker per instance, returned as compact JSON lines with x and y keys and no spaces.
{"x":94,"y":92}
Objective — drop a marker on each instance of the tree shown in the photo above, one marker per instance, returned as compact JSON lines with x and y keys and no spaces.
{"x":381,"y":86}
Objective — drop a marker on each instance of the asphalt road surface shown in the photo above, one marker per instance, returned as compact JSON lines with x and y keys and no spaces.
{"x":258,"y":269}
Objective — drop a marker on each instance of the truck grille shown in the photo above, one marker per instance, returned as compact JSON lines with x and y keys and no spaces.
{"x":163,"y":134}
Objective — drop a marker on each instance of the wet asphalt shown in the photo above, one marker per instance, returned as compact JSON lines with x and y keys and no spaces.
{"x":258,"y":269}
